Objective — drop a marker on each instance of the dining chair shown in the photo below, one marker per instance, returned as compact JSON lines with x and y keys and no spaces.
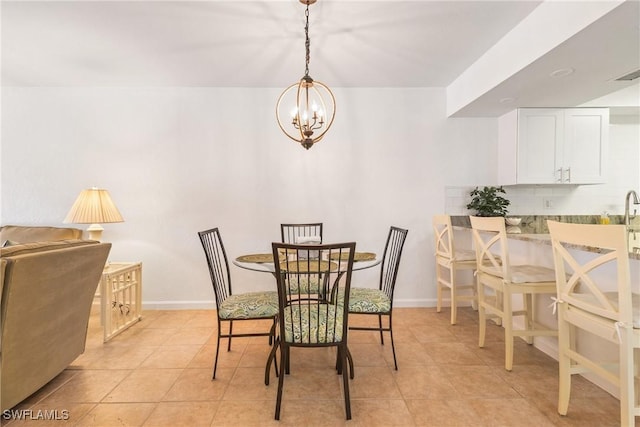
{"x":294,"y":233}
{"x":308,"y":318}
{"x":379,"y":302}
{"x":587,"y":304}
{"x":232,"y":307}
{"x":448,"y":261}
{"x":496,"y":275}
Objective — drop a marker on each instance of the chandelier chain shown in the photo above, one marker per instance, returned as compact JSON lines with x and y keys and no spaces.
{"x":307,"y":42}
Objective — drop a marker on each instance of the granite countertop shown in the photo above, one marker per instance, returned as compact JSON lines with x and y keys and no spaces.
{"x":534,"y":228}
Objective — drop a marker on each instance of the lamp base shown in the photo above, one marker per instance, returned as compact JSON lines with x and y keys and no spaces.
{"x":95,"y":232}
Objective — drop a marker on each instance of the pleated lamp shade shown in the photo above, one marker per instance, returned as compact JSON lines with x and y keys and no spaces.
{"x":94,"y":206}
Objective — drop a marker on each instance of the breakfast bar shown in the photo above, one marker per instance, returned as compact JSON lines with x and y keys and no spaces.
{"x":533,"y":228}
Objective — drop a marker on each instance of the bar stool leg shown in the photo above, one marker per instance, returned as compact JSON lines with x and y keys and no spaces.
{"x":482,"y":318}
{"x":528,"y":306}
{"x":507,"y":323}
{"x":454,"y":301}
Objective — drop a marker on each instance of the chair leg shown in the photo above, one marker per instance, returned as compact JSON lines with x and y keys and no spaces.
{"x":482,"y":318}
{"x":438,"y":288}
{"x":272,"y":357}
{"x":528,"y":321}
{"x":345,"y":381}
{"x":350,"y":360}
{"x":499,"y":305}
{"x":380,"y":328}
{"x":230,"y":334}
{"x":454,"y":302}
{"x":283,"y":356}
{"x":215,"y":363}
{"x":272,"y":332}
{"x":507,"y":323}
{"x":287,"y":360}
{"x":393,"y":347}
{"x":564,"y":363}
{"x":627,"y":395}
{"x":474,"y":301}
{"x":339,"y":365}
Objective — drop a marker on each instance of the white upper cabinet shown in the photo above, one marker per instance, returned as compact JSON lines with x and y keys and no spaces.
{"x":553,"y":146}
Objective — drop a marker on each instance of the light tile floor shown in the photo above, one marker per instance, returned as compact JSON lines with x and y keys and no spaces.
{"x":158,"y":373}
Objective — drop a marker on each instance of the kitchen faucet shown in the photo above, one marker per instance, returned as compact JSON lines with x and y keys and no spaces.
{"x":627,"y":217}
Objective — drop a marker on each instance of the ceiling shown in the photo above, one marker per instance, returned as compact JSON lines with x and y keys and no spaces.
{"x":354,"y":43}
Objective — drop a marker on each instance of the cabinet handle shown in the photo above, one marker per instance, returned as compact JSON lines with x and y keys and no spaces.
{"x":569,"y":173}
{"x":560,"y":176}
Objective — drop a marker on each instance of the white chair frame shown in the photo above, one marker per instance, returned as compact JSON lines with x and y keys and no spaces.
{"x":583,"y":304}
{"x":448,"y":261}
{"x":495,"y":272}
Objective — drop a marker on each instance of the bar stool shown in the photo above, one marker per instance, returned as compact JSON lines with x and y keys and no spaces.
{"x":495,"y":272}
{"x":450,"y":260}
{"x":584,"y":305}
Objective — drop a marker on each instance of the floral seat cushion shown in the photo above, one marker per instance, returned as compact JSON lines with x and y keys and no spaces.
{"x":367,"y":300}
{"x":313,"y":324}
{"x":303,"y":284}
{"x":250,"y":305}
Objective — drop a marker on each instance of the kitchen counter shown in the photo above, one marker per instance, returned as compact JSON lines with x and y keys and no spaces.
{"x":533,"y":228}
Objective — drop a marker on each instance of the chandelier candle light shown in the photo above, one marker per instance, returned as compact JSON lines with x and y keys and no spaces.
{"x":314,"y":106}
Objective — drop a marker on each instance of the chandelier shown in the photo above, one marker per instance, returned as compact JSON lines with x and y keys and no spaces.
{"x":310,"y":104}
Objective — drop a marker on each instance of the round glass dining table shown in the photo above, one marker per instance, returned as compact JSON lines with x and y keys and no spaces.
{"x":263,"y":262}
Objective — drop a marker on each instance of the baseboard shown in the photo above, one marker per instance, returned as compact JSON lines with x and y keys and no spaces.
{"x":409,"y":303}
{"x":547,"y":345}
{"x":178,"y":305}
{"x":199,"y":305}
{"x":206,"y":305}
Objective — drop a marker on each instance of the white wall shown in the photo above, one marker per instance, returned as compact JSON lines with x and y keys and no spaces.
{"x":180,"y":160}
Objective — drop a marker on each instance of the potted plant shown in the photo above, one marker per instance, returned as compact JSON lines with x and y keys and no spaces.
{"x":488,"y":201}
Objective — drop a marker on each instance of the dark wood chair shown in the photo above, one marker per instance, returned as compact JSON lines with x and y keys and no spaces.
{"x":313,"y":316}
{"x":379,"y":302}
{"x":234,"y":307}
{"x":290,"y":233}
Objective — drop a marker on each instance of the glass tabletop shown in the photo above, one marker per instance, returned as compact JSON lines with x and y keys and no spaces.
{"x":263,"y":262}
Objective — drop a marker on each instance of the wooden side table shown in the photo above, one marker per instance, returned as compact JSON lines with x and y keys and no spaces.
{"x":121,"y":297}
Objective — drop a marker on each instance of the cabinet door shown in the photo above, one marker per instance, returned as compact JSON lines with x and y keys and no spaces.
{"x":586,"y":145}
{"x":540,"y":135}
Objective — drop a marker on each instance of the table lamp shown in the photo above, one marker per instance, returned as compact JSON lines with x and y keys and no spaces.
{"x":94,"y":206}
